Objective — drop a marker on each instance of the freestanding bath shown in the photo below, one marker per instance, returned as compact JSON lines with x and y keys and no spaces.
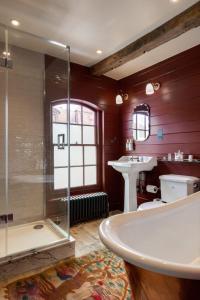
{"x":161,"y":249}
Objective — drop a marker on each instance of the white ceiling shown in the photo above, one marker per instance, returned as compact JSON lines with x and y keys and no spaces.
{"x":88,"y":25}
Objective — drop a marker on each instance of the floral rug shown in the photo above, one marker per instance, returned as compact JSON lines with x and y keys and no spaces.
{"x":97,"y":276}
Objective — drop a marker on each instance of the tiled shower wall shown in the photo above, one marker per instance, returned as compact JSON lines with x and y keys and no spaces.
{"x":25,"y":136}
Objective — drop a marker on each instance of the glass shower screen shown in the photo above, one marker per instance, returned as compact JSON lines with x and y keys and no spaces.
{"x":32,"y":215}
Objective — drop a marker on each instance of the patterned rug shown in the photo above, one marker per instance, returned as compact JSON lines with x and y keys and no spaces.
{"x":97,"y":276}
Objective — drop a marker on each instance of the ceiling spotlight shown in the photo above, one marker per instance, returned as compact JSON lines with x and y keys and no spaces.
{"x":99,"y":51}
{"x":152,"y":87}
{"x":15,"y":22}
{"x":174,"y":1}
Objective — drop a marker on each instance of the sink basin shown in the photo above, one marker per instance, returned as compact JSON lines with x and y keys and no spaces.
{"x":134,"y":163}
{"x":130,"y":166}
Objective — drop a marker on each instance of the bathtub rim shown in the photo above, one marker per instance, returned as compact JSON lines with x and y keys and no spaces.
{"x":142,"y":260}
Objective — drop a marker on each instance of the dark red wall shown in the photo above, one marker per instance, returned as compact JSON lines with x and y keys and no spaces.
{"x":100,"y":91}
{"x":175,"y":108}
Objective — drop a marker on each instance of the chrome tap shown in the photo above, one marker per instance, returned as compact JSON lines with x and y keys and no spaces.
{"x":135,"y":158}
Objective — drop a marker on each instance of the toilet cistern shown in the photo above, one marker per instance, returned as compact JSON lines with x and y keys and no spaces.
{"x":173,"y":187}
{"x":130,"y":166}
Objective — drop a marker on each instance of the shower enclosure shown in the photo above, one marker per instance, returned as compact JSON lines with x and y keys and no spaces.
{"x":28,"y":224}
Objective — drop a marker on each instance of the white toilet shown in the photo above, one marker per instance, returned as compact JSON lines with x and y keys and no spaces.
{"x":173,"y":187}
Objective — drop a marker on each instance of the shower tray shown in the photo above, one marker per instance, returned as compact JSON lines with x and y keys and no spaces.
{"x":32,"y":238}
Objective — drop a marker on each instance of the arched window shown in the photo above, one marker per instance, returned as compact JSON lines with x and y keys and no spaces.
{"x":84,"y":146}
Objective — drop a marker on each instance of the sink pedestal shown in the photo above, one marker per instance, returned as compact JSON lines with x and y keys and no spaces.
{"x":130,"y":167}
{"x":130,"y":192}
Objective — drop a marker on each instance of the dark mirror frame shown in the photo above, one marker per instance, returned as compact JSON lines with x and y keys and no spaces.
{"x":145,"y":110}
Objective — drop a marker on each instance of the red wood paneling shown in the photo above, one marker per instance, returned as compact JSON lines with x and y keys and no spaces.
{"x":175,"y":108}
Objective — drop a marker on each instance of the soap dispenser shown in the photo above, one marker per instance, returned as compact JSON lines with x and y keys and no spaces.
{"x":129,"y":145}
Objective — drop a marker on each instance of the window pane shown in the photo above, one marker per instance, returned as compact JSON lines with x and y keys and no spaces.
{"x":90,"y":155}
{"x":76,"y":176}
{"x":88,"y":135}
{"x":75,"y":113}
{"x":140,"y":121}
{"x":76,"y":155}
{"x":90,"y":175}
{"x":60,"y":157}
{"x":60,"y":178}
{"x":59,"y":129}
{"x":75,"y":134}
{"x":59,"y":113}
{"x":88,"y":116}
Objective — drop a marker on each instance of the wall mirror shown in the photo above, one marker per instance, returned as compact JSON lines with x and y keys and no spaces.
{"x":141,"y":122}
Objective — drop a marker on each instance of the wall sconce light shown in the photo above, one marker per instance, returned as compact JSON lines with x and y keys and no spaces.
{"x":121,"y":97}
{"x":152,"y":87}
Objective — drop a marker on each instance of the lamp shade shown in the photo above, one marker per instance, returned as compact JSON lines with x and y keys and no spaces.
{"x":149,"y":89}
{"x":119,"y":99}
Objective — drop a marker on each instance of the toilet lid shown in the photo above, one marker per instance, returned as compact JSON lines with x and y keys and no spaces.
{"x":151,"y":204}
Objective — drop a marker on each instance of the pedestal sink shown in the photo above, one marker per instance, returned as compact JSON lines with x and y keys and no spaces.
{"x":130,"y":166}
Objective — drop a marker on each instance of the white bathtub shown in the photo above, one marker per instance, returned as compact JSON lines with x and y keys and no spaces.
{"x":165,"y":240}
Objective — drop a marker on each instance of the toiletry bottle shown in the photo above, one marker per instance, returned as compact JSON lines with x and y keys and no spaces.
{"x":130,"y":145}
{"x":181,"y":156}
{"x":190,"y":157}
{"x":169,"y":156}
{"x":127,"y":144}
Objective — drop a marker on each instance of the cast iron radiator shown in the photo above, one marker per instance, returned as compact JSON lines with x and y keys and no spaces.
{"x":87,"y":207}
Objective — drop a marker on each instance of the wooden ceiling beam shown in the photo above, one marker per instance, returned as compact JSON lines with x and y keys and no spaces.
{"x":188,"y":19}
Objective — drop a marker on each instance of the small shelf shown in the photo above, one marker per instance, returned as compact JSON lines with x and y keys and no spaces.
{"x":194,"y":161}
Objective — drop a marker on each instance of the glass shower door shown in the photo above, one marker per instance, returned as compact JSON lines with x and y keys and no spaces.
{"x":30,"y":227}
{"x":57,"y":118}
